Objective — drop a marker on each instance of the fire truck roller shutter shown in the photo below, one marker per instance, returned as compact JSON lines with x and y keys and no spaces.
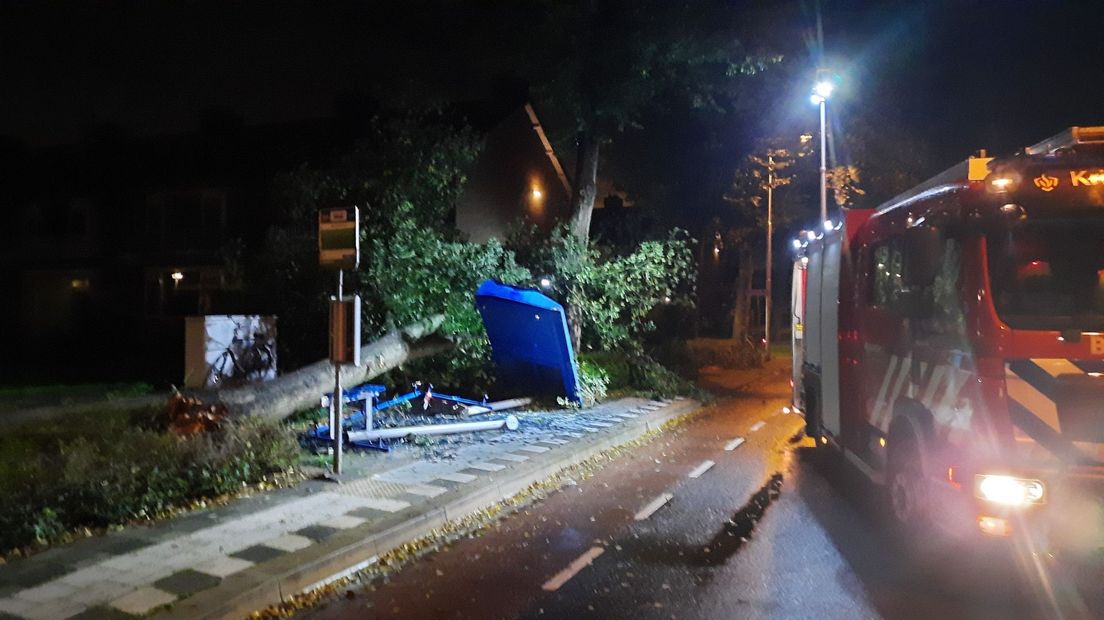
{"x":810,"y":374}
{"x":797,"y":331}
{"x":829,"y":336}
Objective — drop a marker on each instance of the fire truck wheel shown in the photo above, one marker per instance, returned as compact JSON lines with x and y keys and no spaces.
{"x":906,"y":486}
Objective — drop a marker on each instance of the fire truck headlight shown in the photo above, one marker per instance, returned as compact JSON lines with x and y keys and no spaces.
{"x":1003,"y":183}
{"x":1009,"y":491}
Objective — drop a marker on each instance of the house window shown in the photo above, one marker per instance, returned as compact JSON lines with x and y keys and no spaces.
{"x":186,"y":219}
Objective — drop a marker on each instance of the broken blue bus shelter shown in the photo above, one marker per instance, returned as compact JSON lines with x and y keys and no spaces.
{"x":530,"y":342}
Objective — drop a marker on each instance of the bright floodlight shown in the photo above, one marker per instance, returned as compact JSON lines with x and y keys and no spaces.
{"x":827,"y":225}
{"x":546,"y":283}
{"x":816,"y":99}
{"x":797,"y":244}
{"x":810,"y":235}
{"x":823,"y":89}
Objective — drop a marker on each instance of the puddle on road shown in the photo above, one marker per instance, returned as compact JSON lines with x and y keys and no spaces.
{"x":738,"y":530}
{"x":727,"y":542}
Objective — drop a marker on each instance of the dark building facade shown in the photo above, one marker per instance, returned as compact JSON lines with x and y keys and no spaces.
{"x":106,"y":246}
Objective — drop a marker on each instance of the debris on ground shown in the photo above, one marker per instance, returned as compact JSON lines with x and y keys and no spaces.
{"x":369,"y":422}
{"x":187,"y":415}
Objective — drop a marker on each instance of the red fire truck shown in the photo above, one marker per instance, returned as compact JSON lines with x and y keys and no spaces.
{"x":951,"y":346}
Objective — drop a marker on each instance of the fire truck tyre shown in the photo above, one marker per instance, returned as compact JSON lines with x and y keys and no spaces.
{"x":906,"y":487}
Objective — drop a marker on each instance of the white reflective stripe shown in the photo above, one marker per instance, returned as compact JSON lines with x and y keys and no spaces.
{"x":883,"y":423}
{"x":955,"y":380}
{"x":933,"y":385}
{"x":943,"y":410}
{"x":1032,"y":399}
{"x":880,"y":402}
{"x":912,"y":387}
{"x":1055,"y":366}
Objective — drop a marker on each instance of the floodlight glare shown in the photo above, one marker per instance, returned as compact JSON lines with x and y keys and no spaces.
{"x":823,"y":89}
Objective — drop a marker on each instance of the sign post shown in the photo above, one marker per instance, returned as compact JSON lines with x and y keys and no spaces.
{"x":339,"y":248}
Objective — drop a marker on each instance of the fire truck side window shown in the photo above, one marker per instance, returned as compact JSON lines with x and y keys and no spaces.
{"x":889,"y":263}
{"x":947,"y":316}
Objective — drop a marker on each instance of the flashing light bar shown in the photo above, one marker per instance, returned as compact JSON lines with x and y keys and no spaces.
{"x":1074,"y":136}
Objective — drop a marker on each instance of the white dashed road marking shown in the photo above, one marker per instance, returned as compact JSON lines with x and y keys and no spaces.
{"x":735,"y":443}
{"x":758,"y":425}
{"x":701,"y":469}
{"x":653,"y":506}
{"x":572,"y":569}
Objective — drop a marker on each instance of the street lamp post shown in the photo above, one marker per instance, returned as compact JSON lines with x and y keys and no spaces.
{"x":821,"y":92}
{"x":770,"y":235}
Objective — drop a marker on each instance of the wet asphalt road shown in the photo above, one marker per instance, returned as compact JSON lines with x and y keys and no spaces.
{"x":766,"y":531}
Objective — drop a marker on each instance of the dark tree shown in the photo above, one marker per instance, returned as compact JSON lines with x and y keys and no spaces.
{"x":608,"y":64}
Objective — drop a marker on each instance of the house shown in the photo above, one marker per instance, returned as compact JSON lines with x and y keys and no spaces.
{"x":518,"y":177}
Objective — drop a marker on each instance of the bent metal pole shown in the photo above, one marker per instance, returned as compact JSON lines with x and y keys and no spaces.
{"x":509,"y":423}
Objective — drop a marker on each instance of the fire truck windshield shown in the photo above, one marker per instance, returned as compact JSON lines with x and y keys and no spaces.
{"x":1049,"y":274}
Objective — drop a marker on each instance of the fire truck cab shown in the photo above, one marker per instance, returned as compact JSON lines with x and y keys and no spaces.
{"x":952,"y":346}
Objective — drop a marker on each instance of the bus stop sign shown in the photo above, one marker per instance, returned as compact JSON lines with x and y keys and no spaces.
{"x":339,"y":238}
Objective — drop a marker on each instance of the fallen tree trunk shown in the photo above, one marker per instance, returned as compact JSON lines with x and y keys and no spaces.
{"x":303,"y":388}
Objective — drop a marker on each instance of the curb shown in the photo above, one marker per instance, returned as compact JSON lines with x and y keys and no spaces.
{"x":240,"y":595}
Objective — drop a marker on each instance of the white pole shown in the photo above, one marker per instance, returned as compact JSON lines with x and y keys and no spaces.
{"x":823,"y":163}
{"x":509,"y":423}
{"x":337,"y":429}
{"x":770,"y":234}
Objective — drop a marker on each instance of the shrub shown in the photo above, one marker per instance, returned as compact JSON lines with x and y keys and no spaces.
{"x":724,"y":352}
{"x":97,"y":471}
{"x":610,"y":296}
{"x":640,"y":374}
{"x":593,"y":383}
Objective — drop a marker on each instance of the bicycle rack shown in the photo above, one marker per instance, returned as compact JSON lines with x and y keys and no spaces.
{"x":366,"y":394}
{"x":363,"y":394}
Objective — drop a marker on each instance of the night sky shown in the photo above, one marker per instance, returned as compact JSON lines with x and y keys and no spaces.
{"x":963,"y":74}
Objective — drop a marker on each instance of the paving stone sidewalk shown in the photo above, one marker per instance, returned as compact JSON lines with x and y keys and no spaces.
{"x":179,"y":565}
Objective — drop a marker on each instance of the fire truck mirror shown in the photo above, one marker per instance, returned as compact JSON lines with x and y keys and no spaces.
{"x":923,"y":252}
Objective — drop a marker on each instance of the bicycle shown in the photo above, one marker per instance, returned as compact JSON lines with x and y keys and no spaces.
{"x":254,"y":363}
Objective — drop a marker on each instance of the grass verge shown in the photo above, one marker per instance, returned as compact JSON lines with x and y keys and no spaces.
{"x":67,"y":478}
